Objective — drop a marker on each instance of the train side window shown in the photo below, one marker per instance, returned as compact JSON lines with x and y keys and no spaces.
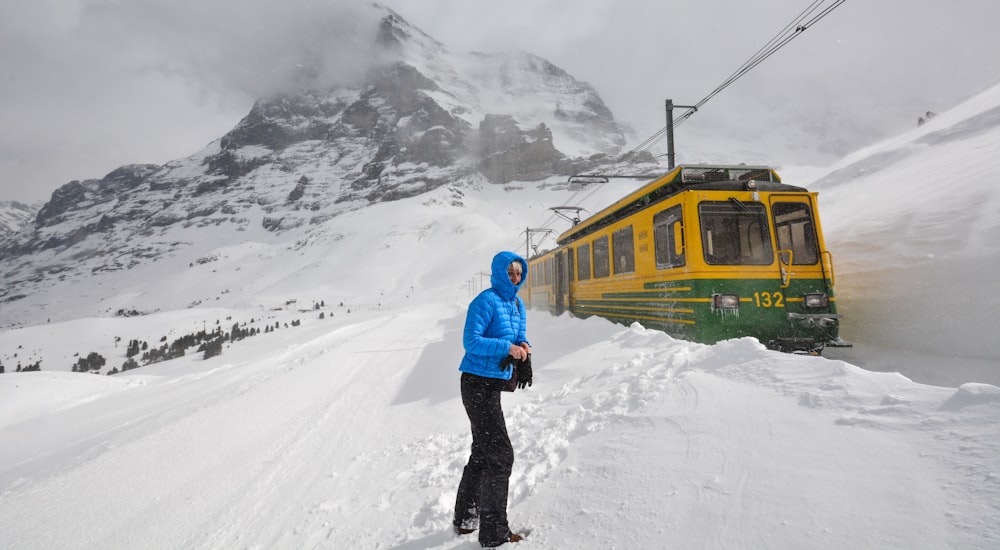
{"x":583,"y":262}
{"x":569,"y":266}
{"x":548,"y":272}
{"x":795,"y":231}
{"x":602,"y":265}
{"x":668,"y":238}
{"x":735,"y":233}
{"x":624,"y":248}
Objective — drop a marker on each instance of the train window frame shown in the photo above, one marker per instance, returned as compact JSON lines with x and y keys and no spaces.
{"x":796,"y":234}
{"x":623,"y":248}
{"x":664,"y":238}
{"x":728,"y":236}
{"x":601,"y":250}
{"x":583,"y":262}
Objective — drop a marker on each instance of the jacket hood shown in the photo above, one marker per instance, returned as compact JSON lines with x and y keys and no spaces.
{"x":499,"y":278}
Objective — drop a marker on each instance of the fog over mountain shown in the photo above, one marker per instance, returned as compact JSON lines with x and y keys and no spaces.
{"x":92,"y":86}
{"x":421,"y":117}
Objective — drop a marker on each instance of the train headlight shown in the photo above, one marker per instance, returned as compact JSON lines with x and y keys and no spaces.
{"x":725,"y":301}
{"x":816,"y":300}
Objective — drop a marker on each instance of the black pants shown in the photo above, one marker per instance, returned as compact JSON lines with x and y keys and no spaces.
{"x":482,"y":492}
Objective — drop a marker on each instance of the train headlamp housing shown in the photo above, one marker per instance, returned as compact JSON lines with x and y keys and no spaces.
{"x":725,"y":302}
{"x":751,"y":185}
{"x":816,"y":300}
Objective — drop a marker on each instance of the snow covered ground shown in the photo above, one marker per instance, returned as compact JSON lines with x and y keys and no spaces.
{"x":347,"y":431}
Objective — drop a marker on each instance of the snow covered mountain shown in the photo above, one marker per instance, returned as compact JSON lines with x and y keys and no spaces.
{"x":14,"y":216}
{"x":424,"y":117}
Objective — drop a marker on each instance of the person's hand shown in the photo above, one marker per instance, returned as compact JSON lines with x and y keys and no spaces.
{"x":517,"y":352}
{"x":525,"y":347}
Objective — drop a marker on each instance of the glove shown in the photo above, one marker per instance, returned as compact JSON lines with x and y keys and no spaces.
{"x":524,"y":372}
{"x":507,"y":363}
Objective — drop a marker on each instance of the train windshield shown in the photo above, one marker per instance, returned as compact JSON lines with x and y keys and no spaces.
{"x":793,"y":223}
{"x":735,"y":233}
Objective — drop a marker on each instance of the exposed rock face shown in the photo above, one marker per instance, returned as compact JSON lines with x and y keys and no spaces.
{"x":509,"y":153}
{"x":77,"y":195}
{"x":424,"y":117}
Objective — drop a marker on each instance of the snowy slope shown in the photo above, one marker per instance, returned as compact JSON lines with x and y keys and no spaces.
{"x":914,"y":225}
{"x":525,"y":86}
{"x":347,"y":431}
{"x":15,"y":215}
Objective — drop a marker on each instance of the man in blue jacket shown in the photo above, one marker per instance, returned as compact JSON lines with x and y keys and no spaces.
{"x":495,"y":327}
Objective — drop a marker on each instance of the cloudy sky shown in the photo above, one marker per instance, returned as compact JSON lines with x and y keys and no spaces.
{"x":89,"y":85}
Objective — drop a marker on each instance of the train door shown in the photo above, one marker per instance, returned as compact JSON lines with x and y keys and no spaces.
{"x":560,"y":283}
{"x":795,"y":234}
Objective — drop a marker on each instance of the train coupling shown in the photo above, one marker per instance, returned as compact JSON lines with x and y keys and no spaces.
{"x":838,"y":342}
{"x":806,"y":346}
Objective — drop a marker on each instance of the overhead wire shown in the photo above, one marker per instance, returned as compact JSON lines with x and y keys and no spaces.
{"x":807,"y":18}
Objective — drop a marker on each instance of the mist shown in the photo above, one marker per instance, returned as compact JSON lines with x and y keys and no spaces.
{"x":90,"y":86}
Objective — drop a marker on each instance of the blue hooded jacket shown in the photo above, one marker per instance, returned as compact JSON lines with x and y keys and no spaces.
{"x":495,"y":321}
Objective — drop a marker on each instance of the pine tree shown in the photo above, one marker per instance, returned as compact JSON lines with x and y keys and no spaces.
{"x":95,"y":361}
{"x":133,"y":348}
{"x":213,"y":348}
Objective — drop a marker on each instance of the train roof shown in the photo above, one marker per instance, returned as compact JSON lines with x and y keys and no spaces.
{"x":685,"y":176}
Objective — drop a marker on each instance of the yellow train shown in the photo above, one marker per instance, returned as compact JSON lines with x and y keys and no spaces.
{"x":705,"y":253}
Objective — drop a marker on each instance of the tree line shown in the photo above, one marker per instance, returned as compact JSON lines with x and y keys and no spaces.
{"x":140,"y":353}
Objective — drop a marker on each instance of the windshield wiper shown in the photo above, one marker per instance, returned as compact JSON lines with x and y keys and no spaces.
{"x":739,"y":204}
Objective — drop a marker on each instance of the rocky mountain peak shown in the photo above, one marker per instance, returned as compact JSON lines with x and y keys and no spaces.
{"x":423,"y":117}
{"x":395,"y":34}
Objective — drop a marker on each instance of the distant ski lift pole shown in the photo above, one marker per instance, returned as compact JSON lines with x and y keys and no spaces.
{"x":573,"y":218}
